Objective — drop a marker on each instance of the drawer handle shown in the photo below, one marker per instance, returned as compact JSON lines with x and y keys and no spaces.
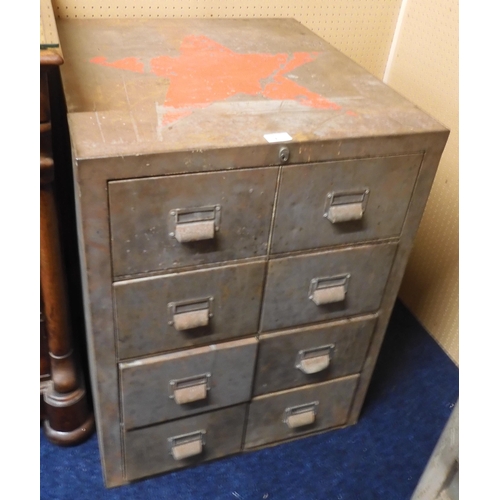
{"x":300,"y":416}
{"x":329,"y":290}
{"x":195,"y":224}
{"x":190,"y":314}
{"x":190,"y":389}
{"x":187,"y":445}
{"x":314,"y":360}
{"x":345,"y":207}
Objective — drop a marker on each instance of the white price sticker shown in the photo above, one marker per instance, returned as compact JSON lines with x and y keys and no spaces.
{"x":277,"y":137}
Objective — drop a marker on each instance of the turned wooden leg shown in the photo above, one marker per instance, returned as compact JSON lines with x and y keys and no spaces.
{"x":67,"y":417}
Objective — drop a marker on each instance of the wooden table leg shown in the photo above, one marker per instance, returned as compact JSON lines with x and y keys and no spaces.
{"x":68,"y":420}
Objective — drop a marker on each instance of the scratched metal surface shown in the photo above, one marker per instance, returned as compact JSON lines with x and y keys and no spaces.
{"x":266,"y":414}
{"x":146,"y":86}
{"x":147,"y":450}
{"x":142,"y":315}
{"x":286,"y":296}
{"x":146,"y":382}
{"x":302,"y":200}
{"x":140,"y":212}
{"x":140,"y":106}
{"x":276,"y":368}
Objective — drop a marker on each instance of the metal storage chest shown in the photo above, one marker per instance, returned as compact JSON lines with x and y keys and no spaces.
{"x":247,"y":199}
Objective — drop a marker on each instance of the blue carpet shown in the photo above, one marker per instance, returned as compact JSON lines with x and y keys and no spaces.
{"x":413,"y":391}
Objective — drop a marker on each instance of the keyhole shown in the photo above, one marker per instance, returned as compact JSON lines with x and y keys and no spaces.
{"x":284,"y":154}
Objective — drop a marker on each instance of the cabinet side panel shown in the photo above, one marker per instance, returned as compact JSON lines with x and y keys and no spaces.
{"x":433,"y":146}
{"x":93,"y":235}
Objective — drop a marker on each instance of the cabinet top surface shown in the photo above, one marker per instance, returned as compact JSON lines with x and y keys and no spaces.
{"x":152,"y":86}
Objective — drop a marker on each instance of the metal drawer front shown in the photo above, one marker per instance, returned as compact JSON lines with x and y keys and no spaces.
{"x":326,"y":204}
{"x":291,"y":296}
{"x":181,"y":310}
{"x":311,"y":355}
{"x":188,"y":441}
{"x":288,"y":414}
{"x":184,"y":383}
{"x":170,"y":222}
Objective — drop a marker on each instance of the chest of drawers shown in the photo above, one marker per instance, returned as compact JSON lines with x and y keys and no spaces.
{"x":247,"y":199}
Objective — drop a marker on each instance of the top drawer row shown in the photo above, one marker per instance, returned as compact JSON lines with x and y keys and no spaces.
{"x":170,"y":222}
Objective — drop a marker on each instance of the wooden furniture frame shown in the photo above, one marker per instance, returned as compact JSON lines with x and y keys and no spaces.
{"x":64,"y":407}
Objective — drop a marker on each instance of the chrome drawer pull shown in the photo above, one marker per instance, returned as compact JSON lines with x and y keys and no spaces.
{"x":314,"y":360}
{"x":300,"y":416}
{"x":190,"y":314}
{"x":329,"y":290}
{"x":195,"y":224}
{"x":187,"y":445}
{"x":345,"y":207}
{"x":190,"y":389}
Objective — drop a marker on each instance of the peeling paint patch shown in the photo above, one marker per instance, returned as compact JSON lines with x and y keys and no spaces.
{"x":206,"y":72}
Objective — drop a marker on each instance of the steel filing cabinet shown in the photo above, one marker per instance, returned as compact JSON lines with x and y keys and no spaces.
{"x":247,"y":199}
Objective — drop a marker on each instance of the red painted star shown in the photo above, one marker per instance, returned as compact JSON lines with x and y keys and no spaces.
{"x":206,"y":72}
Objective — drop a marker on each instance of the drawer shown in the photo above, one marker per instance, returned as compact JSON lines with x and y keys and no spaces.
{"x":327,"y":204}
{"x":188,"y":441}
{"x":312,"y":355}
{"x":164,"y":313}
{"x":288,"y":414}
{"x":326,"y":285}
{"x":184,"y":383}
{"x":170,"y":222}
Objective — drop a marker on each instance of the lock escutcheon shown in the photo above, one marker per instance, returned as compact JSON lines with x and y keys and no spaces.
{"x":284,"y":154}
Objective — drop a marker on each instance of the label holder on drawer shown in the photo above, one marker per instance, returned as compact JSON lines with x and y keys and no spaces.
{"x":187,"y":445}
{"x":329,"y":289}
{"x":188,"y":225}
{"x":190,"y":314}
{"x":314,"y":360}
{"x":190,"y":389}
{"x":346,"y":206}
{"x":301,"y":415}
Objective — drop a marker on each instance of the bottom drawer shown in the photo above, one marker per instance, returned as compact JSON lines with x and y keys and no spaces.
{"x":188,"y":441}
{"x":288,"y":414}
